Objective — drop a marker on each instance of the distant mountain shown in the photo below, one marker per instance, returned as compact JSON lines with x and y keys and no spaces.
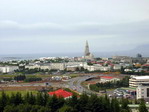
{"x":143,"y":49}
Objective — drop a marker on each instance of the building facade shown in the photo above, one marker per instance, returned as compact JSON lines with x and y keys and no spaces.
{"x":135,"y":81}
{"x":8,"y":69}
{"x":143,"y":92}
{"x":87,"y":54}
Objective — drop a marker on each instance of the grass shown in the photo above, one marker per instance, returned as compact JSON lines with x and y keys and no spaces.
{"x":14,"y":92}
{"x":7,"y":75}
{"x":28,"y":75}
{"x":35,"y":75}
{"x":72,"y":91}
{"x":39,"y":76}
{"x":74,"y":75}
{"x":75,"y":82}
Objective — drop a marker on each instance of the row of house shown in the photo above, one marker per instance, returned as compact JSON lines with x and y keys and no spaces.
{"x":69,"y":66}
{"x":8,"y":69}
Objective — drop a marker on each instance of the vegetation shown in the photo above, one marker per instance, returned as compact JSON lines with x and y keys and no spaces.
{"x":20,"y":78}
{"x":142,"y":106}
{"x":42,"y":102}
{"x":30,"y":71}
{"x":32,"y":79}
{"x":110,"y":85}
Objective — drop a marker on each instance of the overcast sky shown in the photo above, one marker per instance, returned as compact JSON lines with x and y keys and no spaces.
{"x":57,"y":26}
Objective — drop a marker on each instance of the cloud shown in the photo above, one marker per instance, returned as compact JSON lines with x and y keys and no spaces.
{"x":54,"y":37}
{"x":11,"y":28}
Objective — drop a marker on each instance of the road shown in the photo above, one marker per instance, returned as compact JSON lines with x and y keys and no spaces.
{"x":75,"y":83}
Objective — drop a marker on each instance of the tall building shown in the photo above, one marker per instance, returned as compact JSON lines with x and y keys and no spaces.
{"x":143,"y":92}
{"x":87,"y":54}
{"x":135,"y":81}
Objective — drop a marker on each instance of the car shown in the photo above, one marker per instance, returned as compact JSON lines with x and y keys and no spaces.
{"x":110,"y":95}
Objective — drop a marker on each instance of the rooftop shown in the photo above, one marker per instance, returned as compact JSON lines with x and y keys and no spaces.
{"x":107,"y":77}
{"x":141,"y":77}
{"x":61,"y":93}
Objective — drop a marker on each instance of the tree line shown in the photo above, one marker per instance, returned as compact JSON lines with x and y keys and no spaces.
{"x":42,"y":102}
{"x":23,"y":78}
{"x":110,"y":84}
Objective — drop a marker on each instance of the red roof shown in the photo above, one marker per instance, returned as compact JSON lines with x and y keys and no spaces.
{"x":145,"y":65}
{"x":106,"y":77}
{"x":61,"y":93}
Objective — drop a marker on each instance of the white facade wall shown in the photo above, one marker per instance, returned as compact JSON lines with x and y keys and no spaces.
{"x":103,"y":68}
{"x":32,"y":66}
{"x":97,"y":67}
{"x":58,"y":66}
{"x":117,"y":67}
{"x":135,"y":81}
{"x":44,"y":67}
{"x":142,"y":92}
{"x":8,"y":69}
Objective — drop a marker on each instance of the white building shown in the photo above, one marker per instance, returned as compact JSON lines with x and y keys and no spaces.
{"x":8,"y":69}
{"x":96,"y":67}
{"x":104,"y":79}
{"x":143,"y":92}
{"x":135,"y":81}
{"x":105,"y":68}
{"x":117,"y":67}
{"x":32,"y":66}
{"x":58,"y":66}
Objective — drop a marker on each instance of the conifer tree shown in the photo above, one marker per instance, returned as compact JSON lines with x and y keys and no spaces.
{"x":124,"y":105}
{"x":142,"y":106}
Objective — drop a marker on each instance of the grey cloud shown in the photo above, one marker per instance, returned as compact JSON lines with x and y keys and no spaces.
{"x":10,"y":28}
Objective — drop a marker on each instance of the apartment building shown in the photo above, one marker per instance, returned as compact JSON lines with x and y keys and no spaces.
{"x":8,"y":69}
{"x":143,"y":92}
{"x":135,"y":81}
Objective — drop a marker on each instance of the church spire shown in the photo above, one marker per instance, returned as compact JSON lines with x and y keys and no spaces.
{"x":87,"y":53}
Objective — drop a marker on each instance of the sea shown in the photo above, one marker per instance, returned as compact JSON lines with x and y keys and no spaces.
{"x":14,"y":57}
{"x":78,"y":54}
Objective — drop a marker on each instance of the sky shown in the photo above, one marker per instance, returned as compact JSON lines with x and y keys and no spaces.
{"x":63,"y":26}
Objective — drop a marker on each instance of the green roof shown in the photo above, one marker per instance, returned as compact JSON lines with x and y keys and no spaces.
{"x":129,"y":88}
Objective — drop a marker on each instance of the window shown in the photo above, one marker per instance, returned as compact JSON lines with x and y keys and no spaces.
{"x":147,"y":92}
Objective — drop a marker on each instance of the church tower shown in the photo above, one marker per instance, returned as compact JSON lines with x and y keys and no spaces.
{"x":87,"y":53}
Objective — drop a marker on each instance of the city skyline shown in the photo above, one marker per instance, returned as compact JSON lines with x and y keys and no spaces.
{"x":55,"y":26}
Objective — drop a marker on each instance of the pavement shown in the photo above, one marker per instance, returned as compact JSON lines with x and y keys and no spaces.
{"x":75,"y":84}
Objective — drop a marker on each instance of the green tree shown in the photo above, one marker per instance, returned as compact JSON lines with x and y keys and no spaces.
{"x":73,"y":102}
{"x":10,"y":108}
{"x":94,"y":104}
{"x":39,"y":99}
{"x":124,"y":105}
{"x":115,"y":105}
{"x":55,"y":103}
{"x":3,"y":101}
{"x":66,"y":108}
{"x":142,"y":106}
{"x":29,"y":98}
{"x":44,"y":109}
{"x":83,"y":100}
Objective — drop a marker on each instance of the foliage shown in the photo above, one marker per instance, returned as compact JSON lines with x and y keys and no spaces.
{"x":7,"y":79}
{"x":26,"y":108}
{"x":32,"y":79}
{"x":124,"y":105}
{"x":110,"y":85}
{"x":20,"y":77}
{"x":142,"y":106}
{"x":42,"y":102}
